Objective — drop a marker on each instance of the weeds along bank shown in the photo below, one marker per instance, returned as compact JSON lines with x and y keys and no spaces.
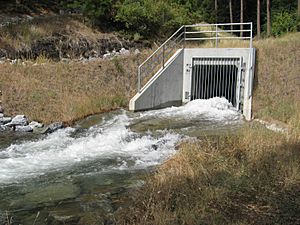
{"x":249,"y":178}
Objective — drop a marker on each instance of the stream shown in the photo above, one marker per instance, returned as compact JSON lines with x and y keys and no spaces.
{"x":76,"y":175}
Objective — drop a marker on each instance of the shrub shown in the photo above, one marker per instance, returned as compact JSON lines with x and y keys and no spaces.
{"x":150,"y":17}
{"x":283,"y":22}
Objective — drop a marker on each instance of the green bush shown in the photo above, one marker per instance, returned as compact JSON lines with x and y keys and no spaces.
{"x":150,"y":17}
{"x":283,"y":22}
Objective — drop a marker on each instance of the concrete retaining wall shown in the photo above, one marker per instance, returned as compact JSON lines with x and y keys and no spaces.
{"x":164,"y":89}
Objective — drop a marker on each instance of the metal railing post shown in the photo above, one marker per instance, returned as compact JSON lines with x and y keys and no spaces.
{"x":251,"y":27}
{"x":163,"y":61}
{"x":139,"y":79}
{"x":216,"y":36}
{"x":184,"y":36}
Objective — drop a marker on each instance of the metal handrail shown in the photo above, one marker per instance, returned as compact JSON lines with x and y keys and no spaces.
{"x":161,"y":55}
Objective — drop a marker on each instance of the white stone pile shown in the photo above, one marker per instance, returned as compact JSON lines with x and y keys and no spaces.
{"x":20,"y":123}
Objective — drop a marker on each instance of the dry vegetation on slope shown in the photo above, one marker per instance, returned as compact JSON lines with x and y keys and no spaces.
{"x":49,"y":91}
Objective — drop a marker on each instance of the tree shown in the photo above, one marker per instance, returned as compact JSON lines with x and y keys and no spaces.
{"x":258,"y":18}
{"x":98,"y":11}
{"x":230,"y":13}
{"x":216,"y":10}
{"x":268,"y":18}
{"x":242,"y":17}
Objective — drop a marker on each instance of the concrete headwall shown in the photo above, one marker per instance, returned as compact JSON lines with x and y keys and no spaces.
{"x":248,"y":59}
{"x":171,"y":86}
{"x":164,"y":89}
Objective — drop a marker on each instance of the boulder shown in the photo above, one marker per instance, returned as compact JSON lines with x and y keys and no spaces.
{"x":124,"y":51}
{"x":19,"y":120}
{"x":5,"y":120}
{"x":55,"y":126}
{"x":106,"y":56}
{"x":23,"y":128}
{"x":42,"y":130}
{"x":35,"y":124}
{"x":3,"y":128}
{"x":136,"y":52}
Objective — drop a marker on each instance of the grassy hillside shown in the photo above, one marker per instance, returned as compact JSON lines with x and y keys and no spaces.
{"x":277,"y":82}
{"x":50,"y":91}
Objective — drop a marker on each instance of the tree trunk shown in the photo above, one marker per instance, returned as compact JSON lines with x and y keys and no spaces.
{"x":242,"y":17}
{"x":268,"y":19}
{"x":230,"y":13}
{"x":258,"y":19}
{"x":216,"y":10}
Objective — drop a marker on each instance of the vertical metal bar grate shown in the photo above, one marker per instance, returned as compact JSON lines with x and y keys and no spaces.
{"x":216,"y":77}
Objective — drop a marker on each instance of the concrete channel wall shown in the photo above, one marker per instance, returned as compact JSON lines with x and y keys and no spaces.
{"x":164,"y":89}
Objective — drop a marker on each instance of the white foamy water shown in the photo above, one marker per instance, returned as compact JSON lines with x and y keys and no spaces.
{"x":215,"y":109}
{"x":109,"y":140}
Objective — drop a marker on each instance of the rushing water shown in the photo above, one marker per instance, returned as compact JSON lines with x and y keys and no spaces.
{"x":75,"y":172}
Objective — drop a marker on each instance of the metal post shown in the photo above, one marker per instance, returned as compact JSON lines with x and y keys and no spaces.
{"x":139,"y":79}
{"x":184,"y":36}
{"x":251,"y":35}
{"x":163,"y":61}
{"x":216,"y":36}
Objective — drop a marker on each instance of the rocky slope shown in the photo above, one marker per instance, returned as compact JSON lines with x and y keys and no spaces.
{"x":57,"y":37}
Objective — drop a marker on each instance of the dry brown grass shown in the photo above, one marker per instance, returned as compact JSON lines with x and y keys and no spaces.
{"x":48,"y":91}
{"x":250,"y":178}
{"x":277,"y":85}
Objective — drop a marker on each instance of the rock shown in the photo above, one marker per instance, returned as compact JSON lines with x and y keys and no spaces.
{"x":35,"y":124}
{"x":19,"y":120}
{"x":3,"y":128}
{"x":57,"y":219}
{"x":1,"y":109}
{"x":45,"y":195}
{"x":42,"y":130}
{"x":1,"y":115}
{"x":3,"y":53}
{"x":5,"y":120}
{"x":136,"y":52}
{"x":106,"y":56}
{"x":23,"y":128}
{"x":124,"y":51}
{"x":55,"y":126}
{"x":115,"y":53}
